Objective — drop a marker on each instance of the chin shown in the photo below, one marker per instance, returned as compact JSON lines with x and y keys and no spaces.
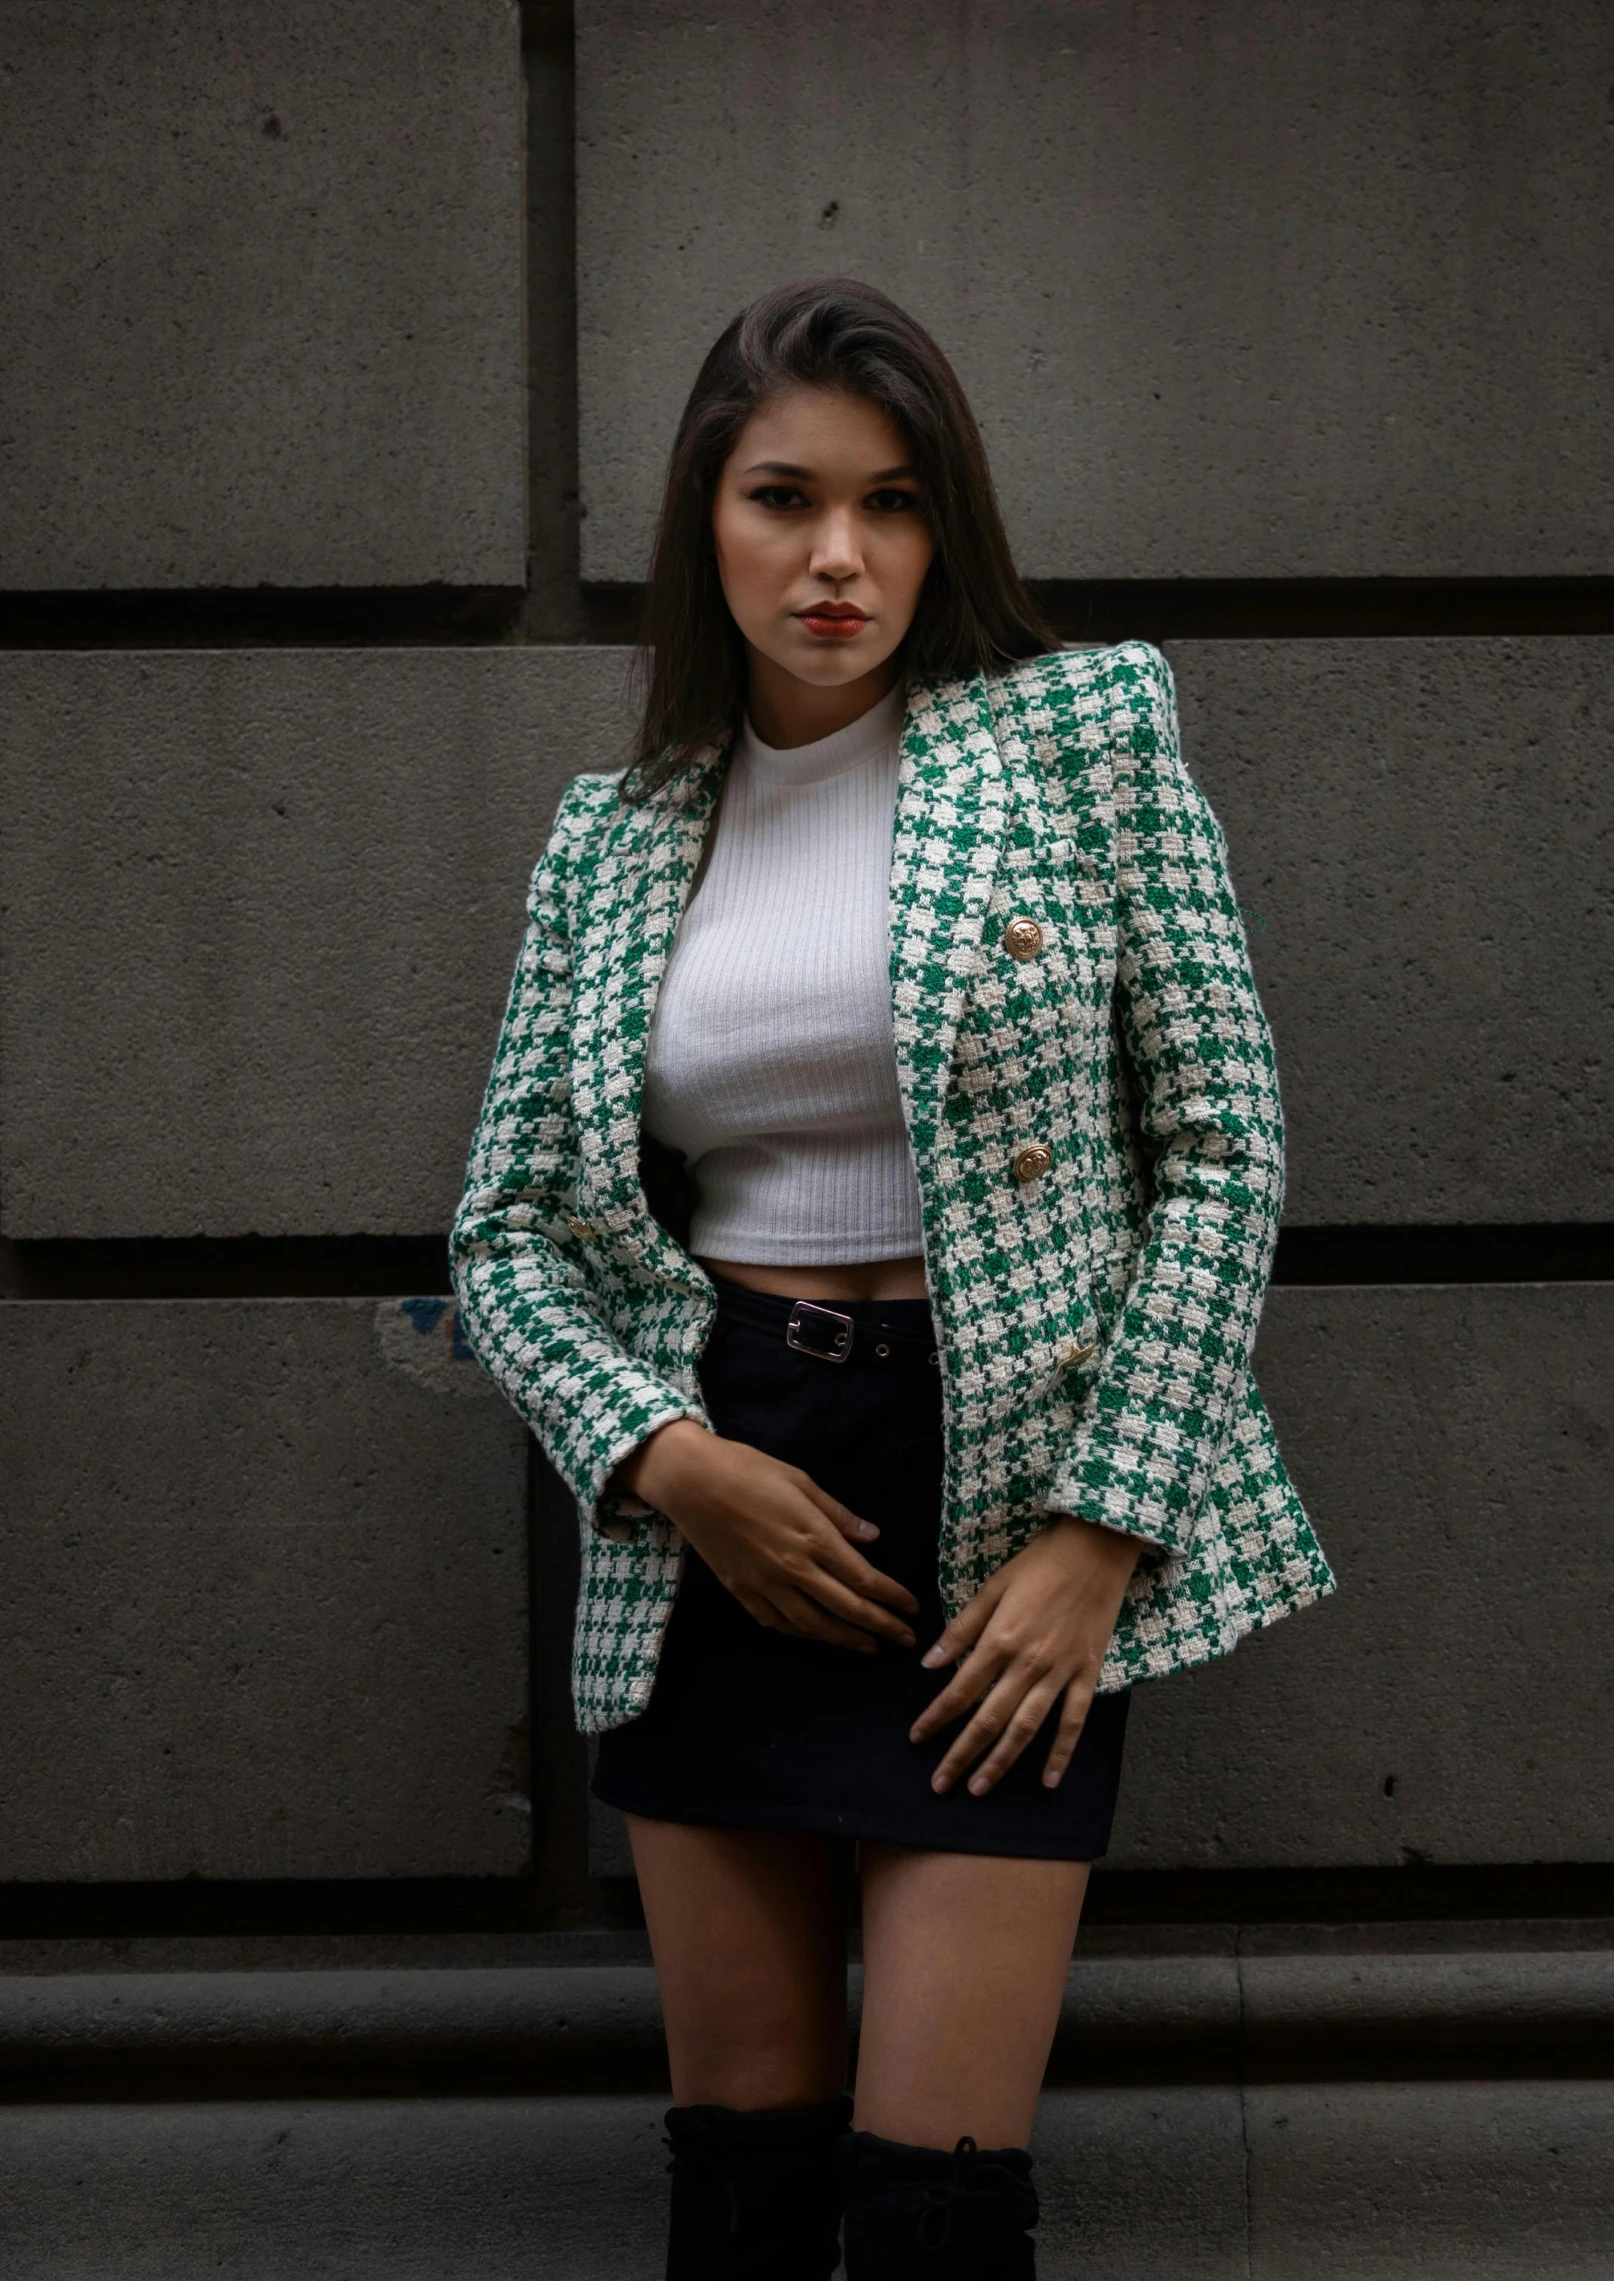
{"x":827,"y":668}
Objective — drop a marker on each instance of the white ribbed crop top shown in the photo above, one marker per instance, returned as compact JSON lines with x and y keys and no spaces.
{"x":771,"y":1064}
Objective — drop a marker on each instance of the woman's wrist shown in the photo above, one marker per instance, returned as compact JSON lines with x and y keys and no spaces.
{"x":1111,"y":1545}
{"x":653,"y":1471}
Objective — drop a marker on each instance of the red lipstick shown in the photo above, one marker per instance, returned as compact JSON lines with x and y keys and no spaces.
{"x":832,"y":621}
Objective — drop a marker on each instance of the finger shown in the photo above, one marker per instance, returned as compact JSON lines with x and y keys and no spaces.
{"x":991,"y":1716}
{"x":804,"y":1615}
{"x":763,"y":1611}
{"x":966,"y":1627}
{"x":851,"y":1525}
{"x":968,"y":1684}
{"x":835,"y":1554}
{"x":1003,"y":1720}
{"x":833,"y":1558}
{"x":1024,"y":1725}
{"x":849,"y":1564}
{"x":841,"y":1600}
{"x":1072,"y":1719}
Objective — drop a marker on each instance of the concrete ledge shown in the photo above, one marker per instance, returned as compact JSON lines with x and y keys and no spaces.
{"x":1197,"y":2019}
{"x":1364,"y":2182}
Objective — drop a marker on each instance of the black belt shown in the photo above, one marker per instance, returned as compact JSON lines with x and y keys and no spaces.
{"x":861,"y":1333}
{"x":838,"y":1337}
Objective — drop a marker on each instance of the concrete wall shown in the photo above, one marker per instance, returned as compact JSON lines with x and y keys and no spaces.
{"x":1275,"y":291}
{"x":262,"y":1568}
{"x":340,"y":348}
{"x":1449,"y":1703}
{"x":1419,"y":834}
{"x":1278,"y":294}
{"x":261,"y":309}
{"x":258,"y":911}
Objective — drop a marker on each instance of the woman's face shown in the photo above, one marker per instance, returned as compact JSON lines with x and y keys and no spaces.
{"x":822,"y":543}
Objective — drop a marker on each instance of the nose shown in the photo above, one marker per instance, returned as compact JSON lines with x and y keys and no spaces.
{"x":836,"y":555}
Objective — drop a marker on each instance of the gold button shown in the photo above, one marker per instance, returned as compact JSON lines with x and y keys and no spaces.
{"x":1072,"y":1356}
{"x":1022,"y":938}
{"x":579,"y":1228}
{"x":1033,"y":1161}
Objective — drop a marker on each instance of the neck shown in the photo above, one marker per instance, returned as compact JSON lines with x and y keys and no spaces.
{"x":786,"y":711}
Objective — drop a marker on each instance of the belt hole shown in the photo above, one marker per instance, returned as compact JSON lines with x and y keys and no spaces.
{"x":882,"y":1351}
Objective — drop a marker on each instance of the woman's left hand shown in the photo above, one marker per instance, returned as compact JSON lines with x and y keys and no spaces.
{"x":1038,"y":1628}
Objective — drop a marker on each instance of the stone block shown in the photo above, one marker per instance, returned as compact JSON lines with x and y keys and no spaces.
{"x":1418,"y":832}
{"x":1465,"y":2181}
{"x":1451,"y":1702}
{"x":258,"y":911}
{"x":258,"y":915}
{"x":1283,"y":291}
{"x":264,"y":1594}
{"x":261,"y":315}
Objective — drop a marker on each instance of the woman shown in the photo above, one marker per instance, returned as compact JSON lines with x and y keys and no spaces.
{"x":910,"y":1420}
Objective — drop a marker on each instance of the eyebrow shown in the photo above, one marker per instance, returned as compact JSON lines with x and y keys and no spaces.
{"x":787,"y":467}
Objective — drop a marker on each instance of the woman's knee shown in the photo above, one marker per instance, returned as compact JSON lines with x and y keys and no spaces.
{"x":749,"y":1940}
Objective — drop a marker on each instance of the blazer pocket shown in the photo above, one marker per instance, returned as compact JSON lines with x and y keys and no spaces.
{"x":1070,"y":891}
{"x":1063,"y":1365}
{"x":1072,"y":855}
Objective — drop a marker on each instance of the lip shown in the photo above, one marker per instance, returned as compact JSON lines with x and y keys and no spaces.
{"x":832,"y":621}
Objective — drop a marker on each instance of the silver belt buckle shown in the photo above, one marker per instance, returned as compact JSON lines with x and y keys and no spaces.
{"x":840,"y":1340}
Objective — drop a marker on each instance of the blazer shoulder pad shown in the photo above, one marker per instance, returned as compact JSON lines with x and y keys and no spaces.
{"x":585,"y":802}
{"x":1109,"y":673}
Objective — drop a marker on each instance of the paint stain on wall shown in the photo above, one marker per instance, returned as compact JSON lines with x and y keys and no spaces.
{"x":423,"y":1339}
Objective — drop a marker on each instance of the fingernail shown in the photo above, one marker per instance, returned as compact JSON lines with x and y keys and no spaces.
{"x":978,"y":1785}
{"x":938,"y":1782}
{"x":867,"y":1529}
{"x":1050,"y":1781}
{"x":932,"y":1656}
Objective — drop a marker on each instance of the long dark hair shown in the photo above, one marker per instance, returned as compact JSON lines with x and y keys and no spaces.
{"x":974,"y":612}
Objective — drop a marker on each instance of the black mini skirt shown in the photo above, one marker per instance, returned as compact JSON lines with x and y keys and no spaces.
{"x":756,"y":1729}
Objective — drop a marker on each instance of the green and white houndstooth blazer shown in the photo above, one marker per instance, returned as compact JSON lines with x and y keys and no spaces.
{"x":1096,"y":1318}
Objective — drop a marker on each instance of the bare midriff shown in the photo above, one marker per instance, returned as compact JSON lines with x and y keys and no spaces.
{"x":865,"y":1279}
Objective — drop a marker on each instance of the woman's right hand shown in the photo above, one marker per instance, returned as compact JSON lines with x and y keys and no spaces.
{"x":771,"y":1535}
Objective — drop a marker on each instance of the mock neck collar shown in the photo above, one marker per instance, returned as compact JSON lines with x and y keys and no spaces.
{"x":873,"y":735}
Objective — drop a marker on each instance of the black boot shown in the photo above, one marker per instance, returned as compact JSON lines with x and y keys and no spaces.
{"x":755,"y":2196}
{"x":916,"y":2214}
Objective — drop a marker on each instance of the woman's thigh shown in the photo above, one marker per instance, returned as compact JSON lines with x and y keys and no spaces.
{"x":964,"y":1963}
{"x":748,"y":1931}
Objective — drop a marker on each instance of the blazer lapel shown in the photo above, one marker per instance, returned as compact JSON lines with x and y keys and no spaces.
{"x":951,"y":814}
{"x":952,"y":809}
{"x":642,"y":886}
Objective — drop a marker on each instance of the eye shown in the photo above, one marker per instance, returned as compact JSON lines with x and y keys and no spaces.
{"x":775,"y":495}
{"x":890,"y":501}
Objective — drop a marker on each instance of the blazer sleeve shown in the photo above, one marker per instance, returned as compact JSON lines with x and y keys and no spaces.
{"x":1171,"y":1376}
{"x":528,"y":1306}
